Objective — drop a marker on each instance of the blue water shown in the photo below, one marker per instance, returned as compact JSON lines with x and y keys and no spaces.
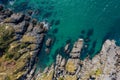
{"x":95,"y":20}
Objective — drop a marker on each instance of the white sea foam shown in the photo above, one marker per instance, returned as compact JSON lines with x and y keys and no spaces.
{"x":11,"y":2}
{"x":46,"y":24}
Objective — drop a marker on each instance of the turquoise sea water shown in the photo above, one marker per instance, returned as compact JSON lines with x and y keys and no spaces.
{"x":95,"y":20}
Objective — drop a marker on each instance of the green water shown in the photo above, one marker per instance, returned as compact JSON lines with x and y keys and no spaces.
{"x":101,"y":16}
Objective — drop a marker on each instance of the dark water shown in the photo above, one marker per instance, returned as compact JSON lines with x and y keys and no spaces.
{"x":93,"y":20}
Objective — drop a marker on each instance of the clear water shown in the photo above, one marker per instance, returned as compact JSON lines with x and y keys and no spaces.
{"x":71,"y":17}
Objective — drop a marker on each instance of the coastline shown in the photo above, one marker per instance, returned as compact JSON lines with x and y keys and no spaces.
{"x":104,"y":66}
{"x":22,"y":39}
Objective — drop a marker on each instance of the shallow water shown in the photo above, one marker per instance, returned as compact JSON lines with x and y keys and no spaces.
{"x":95,"y":20}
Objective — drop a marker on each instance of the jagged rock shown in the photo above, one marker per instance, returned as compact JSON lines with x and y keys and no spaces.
{"x":47,"y":50}
{"x":8,"y":12}
{"x":63,"y":62}
{"x":75,"y":53}
{"x":15,"y":18}
{"x":21,"y":27}
{"x":48,"y":42}
{"x":30,"y":12}
{"x":33,"y":47}
{"x":30,"y":27}
{"x":48,"y":75}
{"x":39,"y":28}
{"x":72,"y":65}
{"x":66,"y":49}
{"x":27,"y":18}
{"x":46,"y":70}
{"x":20,"y":42}
{"x":34,"y":21}
{"x":104,"y":66}
{"x":58,"y":59}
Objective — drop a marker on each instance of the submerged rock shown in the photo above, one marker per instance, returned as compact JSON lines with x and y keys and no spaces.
{"x":47,"y":50}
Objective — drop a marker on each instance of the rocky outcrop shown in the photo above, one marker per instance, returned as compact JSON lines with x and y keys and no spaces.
{"x":104,"y":66}
{"x":75,"y":53}
{"x":21,"y":39}
{"x":48,"y":42}
{"x":67,"y":48}
{"x":20,"y":42}
{"x":48,"y":45}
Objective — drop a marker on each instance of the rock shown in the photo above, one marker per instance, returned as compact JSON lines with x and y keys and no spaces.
{"x":118,"y":51}
{"x":75,"y":53}
{"x":104,"y":66}
{"x":30,"y":28}
{"x":27,"y":18}
{"x":8,"y":12}
{"x":63,"y":63}
{"x":34,"y":21}
{"x":58,"y":59}
{"x":66,"y":49}
{"x":46,"y":70}
{"x":72,"y":65}
{"x":48,"y":42}
{"x":21,"y":27}
{"x":21,"y":42}
{"x":15,"y":18}
{"x":47,"y":50}
{"x":33,"y":47}
{"x":30,"y":12}
{"x":39,"y":28}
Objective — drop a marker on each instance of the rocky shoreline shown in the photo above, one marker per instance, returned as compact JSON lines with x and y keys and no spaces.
{"x":104,"y":66}
{"x":21,"y":39}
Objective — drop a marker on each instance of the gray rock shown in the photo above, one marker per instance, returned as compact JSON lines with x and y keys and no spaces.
{"x":48,"y":42}
{"x":39,"y":28}
{"x":66,"y":49}
{"x":16,"y":18}
{"x":30,"y":28}
{"x":63,"y":62}
{"x":47,"y":50}
{"x":21,"y":27}
{"x":27,"y":18}
{"x":8,"y":12}
{"x":75,"y":53}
